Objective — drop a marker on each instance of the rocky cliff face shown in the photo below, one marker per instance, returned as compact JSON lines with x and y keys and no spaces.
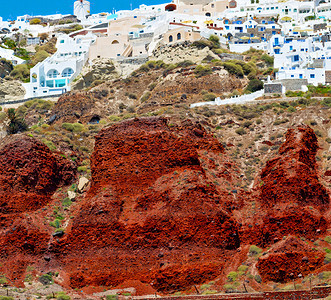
{"x":30,"y":174}
{"x":153,"y":208}
{"x":164,"y":208}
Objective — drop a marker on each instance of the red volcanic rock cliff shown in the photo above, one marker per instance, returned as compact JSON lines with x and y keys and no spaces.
{"x":30,"y":174}
{"x":292,"y":177}
{"x":291,"y":198}
{"x":153,"y":213}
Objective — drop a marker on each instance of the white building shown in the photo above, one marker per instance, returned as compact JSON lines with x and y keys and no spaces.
{"x":8,"y":54}
{"x":54,"y":75}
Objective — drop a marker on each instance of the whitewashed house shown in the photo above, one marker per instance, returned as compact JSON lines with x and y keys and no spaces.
{"x":54,"y":75}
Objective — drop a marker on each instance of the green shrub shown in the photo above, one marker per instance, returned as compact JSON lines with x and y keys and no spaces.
{"x":62,"y":296}
{"x":66,"y":202}
{"x":254,"y":250}
{"x":16,"y":124}
{"x":111,"y":297}
{"x":258,"y":278}
{"x":233,"y":69}
{"x":21,"y":72}
{"x":73,"y":127}
{"x":185,"y":63}
{"x":215,"y":40}
{"x":40,"y":56}
{"x":6,"y":298}
{"x":152,"y":86}
{"x":240,"y":131}
{"x":269,"y":60}
{"x":242,"y":269}
{"x":201,"y":44}
{"x":232,"y":276}
{"x":254,"y":85}
{"x":246,"y":124}
{"x":46,"y":279}
{"x":202,"y":70}
{"x":3,"y":279}
{"x":49,"y":144}
{"x":209,"y":97}
{"x":56,"y":223}
{"x":328,"y":239}
{"x":145,"y":97}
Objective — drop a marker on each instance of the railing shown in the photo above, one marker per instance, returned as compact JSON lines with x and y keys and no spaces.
{"x":233,"y":100}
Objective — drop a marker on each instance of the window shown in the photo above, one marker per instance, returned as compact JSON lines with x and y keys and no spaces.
{"x":296,"y":58}
{"x":300,"y":76}
{"x":277,"y":51}
{"x":171,"y":39}
{"x":276,"y":41}
{"x":291,"y":47}
{"x":292,"y":76}
{"x":52,"y":73}
{"x":179,"y":36}
{"x":67,"y":72}
{"x":312,"y":76}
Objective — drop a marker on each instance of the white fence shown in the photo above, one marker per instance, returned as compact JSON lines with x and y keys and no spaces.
{"x":233,"y":100}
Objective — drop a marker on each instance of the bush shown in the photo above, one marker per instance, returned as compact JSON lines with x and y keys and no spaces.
{"x":46,"y":279}
{"x":16,"y":124}
{"x":258,"y":278}
{"x":202,"y":70}
{"x":233,"y":69}
{"x":73,"y":127}
{"x":132,"y":96}
{"x":246,"y":124}
{"x":145,"y":97}
{"x":21,"y":72}
{"x":254,"y":85}
{"x":40,"y":56}
{"x":232,"y":276}
{"x":111,"y":297}
{"x":35,"y":21}
{"x":215,"y":40}
{"x":254,"y":250}
{"x":269,"y":60}
{"x":201,"y":44}
{"x":209,"y":97}
{"x":185,"y":63}
{"x":240,"y":131}
{"x":62,"y":296}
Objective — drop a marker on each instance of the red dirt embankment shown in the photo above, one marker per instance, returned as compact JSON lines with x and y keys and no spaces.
{"x":30,"y":174}
{"x":153,"y":213}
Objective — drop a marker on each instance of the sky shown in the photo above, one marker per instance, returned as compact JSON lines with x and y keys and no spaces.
{"x":10,"y":9}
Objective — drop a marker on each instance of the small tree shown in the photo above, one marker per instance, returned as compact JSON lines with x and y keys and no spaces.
{"x":16,"y":124}
{"x":35,"y":21}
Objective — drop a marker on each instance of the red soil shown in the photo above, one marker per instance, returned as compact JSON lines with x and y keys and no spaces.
{"x":288,"y":259}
